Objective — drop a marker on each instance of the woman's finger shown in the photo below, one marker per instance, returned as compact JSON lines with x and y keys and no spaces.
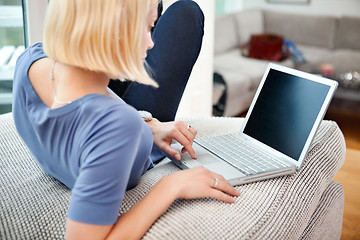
{"x":188,"y":131}
{"x":193,"y":131}
{"x":170,"y":150}
{"x":221,"y":196}
{"x":178,"y":136}
{"x":218,"y":182}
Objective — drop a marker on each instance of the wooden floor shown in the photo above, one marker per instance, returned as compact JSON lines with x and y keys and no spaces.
{"x":349,"y":174}
{"x":349,"y":125}
{"x":349,"y":177}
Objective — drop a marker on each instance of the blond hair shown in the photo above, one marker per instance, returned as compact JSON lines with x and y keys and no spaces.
{"x":99,"y":35}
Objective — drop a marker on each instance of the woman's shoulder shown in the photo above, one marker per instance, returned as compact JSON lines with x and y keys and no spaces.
{"x":105,"y":112}
{"x":103,"y":104}
{"x":25,"y":61}
{"x":31,"y":54}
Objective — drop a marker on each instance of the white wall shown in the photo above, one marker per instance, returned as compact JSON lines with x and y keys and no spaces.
{"x":319,"y":7}
{"x":36,"y":10}
{"x":197,"y":98}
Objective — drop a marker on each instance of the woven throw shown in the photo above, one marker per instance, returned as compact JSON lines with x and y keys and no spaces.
{"x":33,"y":204}
{"x":326,"y":221}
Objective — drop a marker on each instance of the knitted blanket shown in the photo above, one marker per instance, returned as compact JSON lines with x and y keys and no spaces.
{"x":33,"y":205}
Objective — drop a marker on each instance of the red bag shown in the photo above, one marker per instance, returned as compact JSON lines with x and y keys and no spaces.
{"x":266,"y":46}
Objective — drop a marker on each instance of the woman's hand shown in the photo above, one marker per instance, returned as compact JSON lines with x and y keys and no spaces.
{"x":164,"y":133}
{"x":199,"y":183}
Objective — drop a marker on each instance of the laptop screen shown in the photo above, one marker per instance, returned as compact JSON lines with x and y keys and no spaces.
{"x":285,"y":112}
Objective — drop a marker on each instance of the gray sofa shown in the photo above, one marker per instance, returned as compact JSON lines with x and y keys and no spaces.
{"x":322,"y":39}
{"x":305,"y":205}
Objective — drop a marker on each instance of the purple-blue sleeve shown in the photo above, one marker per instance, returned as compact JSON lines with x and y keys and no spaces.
{"x":112,"y":155}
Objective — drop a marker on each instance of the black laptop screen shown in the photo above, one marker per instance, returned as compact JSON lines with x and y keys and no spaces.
{"x":285,"y":112}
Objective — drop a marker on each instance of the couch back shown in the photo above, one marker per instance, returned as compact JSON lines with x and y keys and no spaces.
{"x":235,"y":29}
{"x":311,"y":30}
{"x":348,"y":33}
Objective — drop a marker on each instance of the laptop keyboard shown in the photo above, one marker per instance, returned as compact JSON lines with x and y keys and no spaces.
{"x":234,"y":150}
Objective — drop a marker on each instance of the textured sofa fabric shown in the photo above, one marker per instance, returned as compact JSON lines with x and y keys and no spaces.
{"x":310,"y":30}
{"x":305,"y":205}
{"x":322,"y":39}
{"x":347,"y":36}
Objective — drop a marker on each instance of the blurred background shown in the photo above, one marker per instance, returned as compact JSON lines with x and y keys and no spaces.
{"x":12,"y":43}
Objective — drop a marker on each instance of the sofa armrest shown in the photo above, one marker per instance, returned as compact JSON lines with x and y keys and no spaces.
{"x":34,"y":205}
{"x":279,"y":208}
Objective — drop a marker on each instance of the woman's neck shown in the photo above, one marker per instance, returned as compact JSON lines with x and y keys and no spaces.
{"x":70,"y":83}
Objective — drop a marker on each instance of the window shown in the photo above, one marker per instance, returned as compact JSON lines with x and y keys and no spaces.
{"x":11,"y":46}
{"x":227,"y":6}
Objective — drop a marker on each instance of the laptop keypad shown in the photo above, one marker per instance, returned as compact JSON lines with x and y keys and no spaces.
{"x":234,"y":150}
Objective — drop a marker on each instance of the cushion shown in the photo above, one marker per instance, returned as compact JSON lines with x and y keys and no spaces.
{"x":249,"y":22}
{"x":348,"y":36}
{"x":314,"y":56}
{"x":342,"y":60}
{"x":310,"y":29}
{"x":226,"y":36}
{"x":313,"y":53}
{"x":33,"y":205}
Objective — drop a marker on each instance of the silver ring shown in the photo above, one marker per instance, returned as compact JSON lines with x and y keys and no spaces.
{"x":216,"y":182}
{"x":188,"y":126}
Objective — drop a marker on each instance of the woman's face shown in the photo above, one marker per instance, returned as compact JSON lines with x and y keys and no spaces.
{"x":147,"y":40}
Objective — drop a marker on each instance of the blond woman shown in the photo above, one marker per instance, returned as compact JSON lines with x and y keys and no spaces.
{"x":87,"y":137}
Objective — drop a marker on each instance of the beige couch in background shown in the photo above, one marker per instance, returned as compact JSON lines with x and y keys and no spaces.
{"x":322,"y":39}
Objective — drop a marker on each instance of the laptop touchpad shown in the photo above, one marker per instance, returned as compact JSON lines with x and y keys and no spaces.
{"x":204,"y":157}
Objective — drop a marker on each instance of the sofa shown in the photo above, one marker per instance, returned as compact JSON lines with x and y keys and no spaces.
{"x":305,"y":205}
{"x":321,"y":39}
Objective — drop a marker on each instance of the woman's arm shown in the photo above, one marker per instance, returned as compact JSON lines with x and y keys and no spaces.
{"x":187,"y":184}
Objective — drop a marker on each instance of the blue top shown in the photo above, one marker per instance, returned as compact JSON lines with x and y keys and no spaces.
{"x":98,"y":146}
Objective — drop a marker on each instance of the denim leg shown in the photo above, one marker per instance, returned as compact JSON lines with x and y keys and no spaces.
{"x":178,"y":38}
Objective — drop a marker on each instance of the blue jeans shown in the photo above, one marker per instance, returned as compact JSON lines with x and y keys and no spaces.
{"x":178,"y":37}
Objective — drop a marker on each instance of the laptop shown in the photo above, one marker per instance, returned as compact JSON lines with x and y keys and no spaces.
{"x":277,"y":132}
